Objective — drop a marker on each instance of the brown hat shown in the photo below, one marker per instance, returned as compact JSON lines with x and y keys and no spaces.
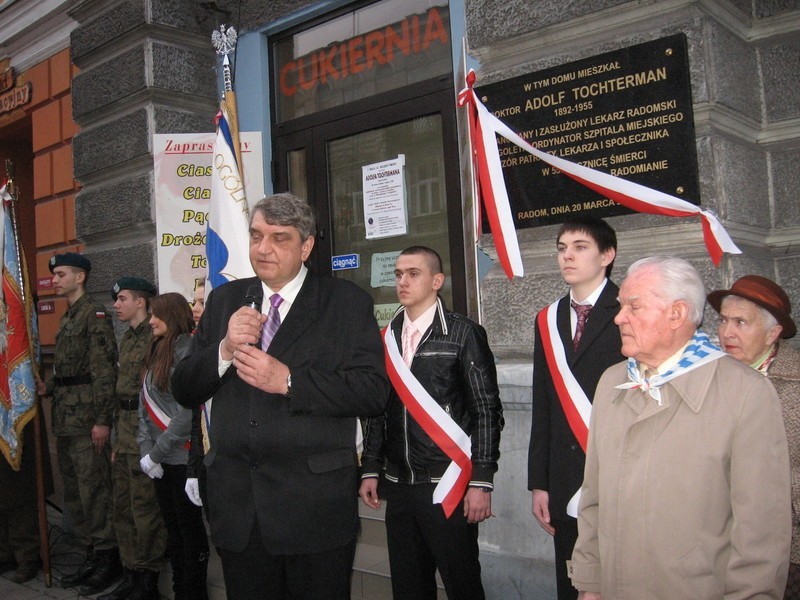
{"x":764,"y":292}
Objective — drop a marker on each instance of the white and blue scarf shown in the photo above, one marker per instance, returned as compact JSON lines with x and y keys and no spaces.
{"x":699,"y":352}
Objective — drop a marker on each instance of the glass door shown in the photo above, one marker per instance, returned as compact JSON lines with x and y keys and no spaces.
{"x":420,"y":201}
{"x":326,"y":164}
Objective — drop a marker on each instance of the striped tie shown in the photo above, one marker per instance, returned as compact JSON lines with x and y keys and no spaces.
{"x":410,"y":339}
{"x":272,"y":323}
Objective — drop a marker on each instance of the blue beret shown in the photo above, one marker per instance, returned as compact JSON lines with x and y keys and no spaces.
{"x":132,"y":283}
{"x":70,"y":259}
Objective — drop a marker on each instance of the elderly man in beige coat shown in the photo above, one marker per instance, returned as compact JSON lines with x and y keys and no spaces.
{"x":686,"y":488}
{"x":755,"y":316}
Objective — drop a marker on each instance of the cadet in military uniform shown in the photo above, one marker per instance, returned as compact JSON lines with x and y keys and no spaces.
{"x":140,"y":529}
{"x":84,"y":376}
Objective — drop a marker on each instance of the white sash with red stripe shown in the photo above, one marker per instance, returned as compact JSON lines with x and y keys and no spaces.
{"x":439,"y":426}
{"x":573,"y":399}
{"x":158,"y":416}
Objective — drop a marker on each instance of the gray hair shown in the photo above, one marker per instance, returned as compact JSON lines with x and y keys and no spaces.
{"x":679,"y":281}
{"x":768,"y":320}
{"x":287,"y":210}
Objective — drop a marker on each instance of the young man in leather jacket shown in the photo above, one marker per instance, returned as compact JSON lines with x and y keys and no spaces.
{"x":432,"y":525}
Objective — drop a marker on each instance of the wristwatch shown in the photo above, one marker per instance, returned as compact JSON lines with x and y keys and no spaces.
{"x":288,"y":393}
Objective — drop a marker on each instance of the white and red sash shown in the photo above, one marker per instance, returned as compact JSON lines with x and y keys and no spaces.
{"x":440,"y":427}
{"x":573,"y":399}
{"x":158,"y":416}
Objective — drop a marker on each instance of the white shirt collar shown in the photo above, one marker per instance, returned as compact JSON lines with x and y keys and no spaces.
{"x":288,"y":292}
{"x":591,"y":298}
{"x":424,"y":321}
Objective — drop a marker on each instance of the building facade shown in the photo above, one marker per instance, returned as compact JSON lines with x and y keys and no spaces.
{"x":335,"y":86}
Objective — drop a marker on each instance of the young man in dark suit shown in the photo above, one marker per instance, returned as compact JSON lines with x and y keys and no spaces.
{"x":576,"y":340}
{"x":282,"y":469}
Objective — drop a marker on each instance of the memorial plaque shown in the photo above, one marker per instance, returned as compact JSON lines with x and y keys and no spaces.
{"x":627,"y":113}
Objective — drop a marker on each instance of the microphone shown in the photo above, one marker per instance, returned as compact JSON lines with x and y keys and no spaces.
{"x":253,"y":299}
{"x":253,"y":296}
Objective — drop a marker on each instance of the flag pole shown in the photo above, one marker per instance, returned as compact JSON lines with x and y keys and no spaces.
{"x":228,"y":235}
{"x":224,"y":42}
{"x":44,"y":540}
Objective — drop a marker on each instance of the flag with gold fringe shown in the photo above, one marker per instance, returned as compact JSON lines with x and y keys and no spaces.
{"x":18,"y":332}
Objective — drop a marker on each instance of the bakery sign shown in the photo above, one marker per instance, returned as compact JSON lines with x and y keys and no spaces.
{"x":12,"y":97}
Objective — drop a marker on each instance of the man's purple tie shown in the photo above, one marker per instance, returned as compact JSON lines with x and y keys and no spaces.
{"x":272,"y":323}
{"x":582,"y":310}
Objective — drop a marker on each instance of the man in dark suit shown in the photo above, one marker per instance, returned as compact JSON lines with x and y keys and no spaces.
{"x":576,"y":340}
{"x":282,"y":468}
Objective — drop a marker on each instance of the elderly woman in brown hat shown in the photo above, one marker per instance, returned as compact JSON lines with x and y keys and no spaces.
{"x":754,"y":318}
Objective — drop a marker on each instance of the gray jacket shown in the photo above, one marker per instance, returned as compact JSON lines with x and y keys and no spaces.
{"x":171,"y":445}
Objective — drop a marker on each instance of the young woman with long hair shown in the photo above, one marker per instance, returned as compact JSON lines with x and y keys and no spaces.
{"x":164,"y":431}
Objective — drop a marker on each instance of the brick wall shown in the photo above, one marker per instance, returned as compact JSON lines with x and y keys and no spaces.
{"x":54,"y":186}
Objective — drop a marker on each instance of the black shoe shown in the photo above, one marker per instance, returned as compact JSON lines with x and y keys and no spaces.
{"x":125,"y":587}
{"x":146,"y":586}
{"x":27,"y":570}
{"x":83,"y":573}
{"x":107,"y":572}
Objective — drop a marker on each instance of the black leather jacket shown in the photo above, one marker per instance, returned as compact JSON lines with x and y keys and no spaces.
{"x":456,"y":366}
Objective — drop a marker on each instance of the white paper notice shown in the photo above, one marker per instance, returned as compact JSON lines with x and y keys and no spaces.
{"x":385,"y":198}
{"x":382,"y":269}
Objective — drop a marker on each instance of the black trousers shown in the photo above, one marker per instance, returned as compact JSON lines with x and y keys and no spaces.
{"x":564,"y":541}
{"x":421,"y":539}
{"x":187,"y":543}
{"x":255,"y":574}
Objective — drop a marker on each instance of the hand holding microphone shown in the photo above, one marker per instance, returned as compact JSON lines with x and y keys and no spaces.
{"x":244,"y":326}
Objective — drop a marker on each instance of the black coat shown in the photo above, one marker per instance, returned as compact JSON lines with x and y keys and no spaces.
{"x":289,"y":464}
{"x":555,"y":458}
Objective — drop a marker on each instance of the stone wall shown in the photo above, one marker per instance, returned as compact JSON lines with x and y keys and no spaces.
{"x":146,"y":67}
{"x":743,"y":69}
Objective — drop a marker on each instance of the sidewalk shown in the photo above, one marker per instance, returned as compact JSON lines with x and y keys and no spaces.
{"x":37,"y":590}
{"x":65,"y":558}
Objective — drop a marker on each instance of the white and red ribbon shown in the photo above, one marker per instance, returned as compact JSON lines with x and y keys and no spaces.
{"x":439,"y":426}
{"x":574,"y":401}
{"x":492,"y":188}
{"x":158,"y":416}
{"x":484,"y":127}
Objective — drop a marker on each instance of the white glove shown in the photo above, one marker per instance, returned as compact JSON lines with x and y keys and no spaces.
{"x":192,"y":488}
{"x":151,"y":469}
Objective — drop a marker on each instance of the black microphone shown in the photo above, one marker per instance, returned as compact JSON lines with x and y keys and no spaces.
{"x":253,"y":296}
{"x":253,"y":299}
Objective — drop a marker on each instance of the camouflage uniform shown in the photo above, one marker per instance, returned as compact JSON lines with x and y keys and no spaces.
{"x":140,"y":529}
{"x":83,"y":396}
